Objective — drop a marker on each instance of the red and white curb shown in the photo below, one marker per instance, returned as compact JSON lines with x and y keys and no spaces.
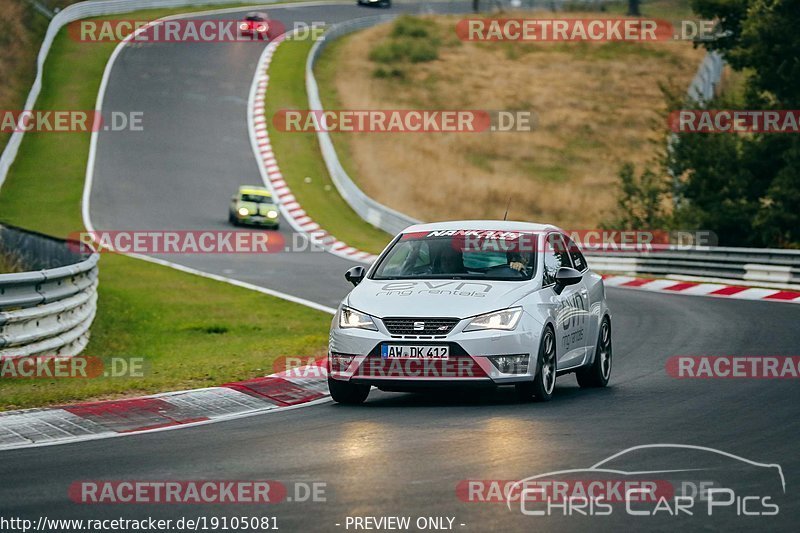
{"x":271,"y":173}
{"x":114,"y":418}
{"x":736,"y":292}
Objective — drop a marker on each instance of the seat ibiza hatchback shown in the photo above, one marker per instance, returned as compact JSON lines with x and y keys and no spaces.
{"x":471,"y":303}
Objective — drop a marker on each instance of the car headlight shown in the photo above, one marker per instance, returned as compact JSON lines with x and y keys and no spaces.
{"x":263,"y":27}
{"x":507,"y":319}
{"x":243,"y":26}
{"x":272,"y":214}
{"x":243,"y":211}
{"x":350,"y":318}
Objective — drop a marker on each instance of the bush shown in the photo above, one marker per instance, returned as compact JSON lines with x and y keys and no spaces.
{"x":411,"y":40}
{"x":640,"y":201}
{"x":421,"y":51}
{"x":408,"y":26}
{"x":389,"y":73}
{"x":388,"y":52}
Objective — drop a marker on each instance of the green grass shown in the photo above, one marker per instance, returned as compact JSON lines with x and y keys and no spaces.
{"x":299,"y":155}
{"x":192,"y":332}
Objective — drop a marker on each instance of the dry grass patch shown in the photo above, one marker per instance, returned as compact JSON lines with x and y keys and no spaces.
{"x":595,"y":103}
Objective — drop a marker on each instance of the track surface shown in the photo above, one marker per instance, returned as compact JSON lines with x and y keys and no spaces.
{"x":405,"y":454}
{"x":398,"y":454}
{"x":180,"y":172}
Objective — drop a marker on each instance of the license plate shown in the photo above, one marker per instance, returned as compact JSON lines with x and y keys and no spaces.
{"x":406,"y":351}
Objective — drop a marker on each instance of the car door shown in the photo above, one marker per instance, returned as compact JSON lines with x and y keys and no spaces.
{"x":591,"y":293}
{"x":570,"y":305}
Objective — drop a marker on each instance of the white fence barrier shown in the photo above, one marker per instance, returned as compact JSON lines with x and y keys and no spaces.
{"x":370,"y":210}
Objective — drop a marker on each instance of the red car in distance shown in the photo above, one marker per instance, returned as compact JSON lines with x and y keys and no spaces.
{"x":255,"y":24}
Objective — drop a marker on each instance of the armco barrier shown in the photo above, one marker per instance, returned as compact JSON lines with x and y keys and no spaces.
{"x":705,"y":82}
{"x":375,"y":213}
{"x":48,"y":309}
{"x":71,"y":13}
{"x":755,"y":266}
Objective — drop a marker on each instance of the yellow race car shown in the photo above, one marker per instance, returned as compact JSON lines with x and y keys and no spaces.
{"x":253,"y":205}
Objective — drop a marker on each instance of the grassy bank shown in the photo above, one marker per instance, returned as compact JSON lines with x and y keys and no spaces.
{"x":595,"y":106}
{"x":192,"y":332}
{"x":299,"y":156}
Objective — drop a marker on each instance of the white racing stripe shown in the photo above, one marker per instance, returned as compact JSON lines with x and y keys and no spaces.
{"x":270,"y":170}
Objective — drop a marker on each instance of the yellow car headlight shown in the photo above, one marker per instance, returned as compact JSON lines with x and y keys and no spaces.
{"x":272,"y":213}
{"x":243,"y":211}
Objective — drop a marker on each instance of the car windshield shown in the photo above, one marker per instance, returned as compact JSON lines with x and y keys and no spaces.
{"x":487,"y":255}
{"x":256,"y":198}
{"x":255,"y":18}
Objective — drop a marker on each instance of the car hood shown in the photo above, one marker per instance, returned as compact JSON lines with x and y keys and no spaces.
{"x":435,"y":297}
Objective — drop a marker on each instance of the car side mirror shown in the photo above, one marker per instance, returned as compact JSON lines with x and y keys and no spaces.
{"x":566,"y":276}
{"x":355,"y":275}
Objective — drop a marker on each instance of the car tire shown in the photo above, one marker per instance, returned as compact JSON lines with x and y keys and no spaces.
{"x":598,"y":373}
{"x":387,"y":4}
{"x":541,"y":388}
{"x":347,"y":393}
{"x":231,"y":219}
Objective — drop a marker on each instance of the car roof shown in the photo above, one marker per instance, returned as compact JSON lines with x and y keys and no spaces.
{"x":254,"y":189}
{"x":497,"y":225}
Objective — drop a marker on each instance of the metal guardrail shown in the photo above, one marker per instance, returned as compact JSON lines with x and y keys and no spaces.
{"x":82,"y":10}
{"x":48,"y":309}
{"x":705,"y":82}
{"x":373,"y":212}
{"x":769,"y":267}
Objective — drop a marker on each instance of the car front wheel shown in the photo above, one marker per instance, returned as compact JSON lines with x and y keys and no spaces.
{"x":541,"y":388}
{"x":347,"y":393}
{"x":597,"y":374}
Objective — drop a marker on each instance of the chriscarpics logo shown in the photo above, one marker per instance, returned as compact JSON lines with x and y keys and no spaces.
{"x":653,"y":480}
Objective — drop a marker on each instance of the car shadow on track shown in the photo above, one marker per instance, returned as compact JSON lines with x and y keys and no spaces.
{"x":563,"y":395}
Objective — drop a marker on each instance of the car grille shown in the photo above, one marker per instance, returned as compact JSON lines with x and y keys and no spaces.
{"x":411,"y":326}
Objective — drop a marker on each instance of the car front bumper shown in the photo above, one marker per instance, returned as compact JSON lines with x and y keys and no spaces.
{"x":261,"y":221}
{"x":469,"y":363}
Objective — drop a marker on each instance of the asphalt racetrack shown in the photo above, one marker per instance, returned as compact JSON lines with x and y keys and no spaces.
{"x":398,"y":454}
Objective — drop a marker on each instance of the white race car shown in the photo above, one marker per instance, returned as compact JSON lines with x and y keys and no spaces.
{"x":471,"y":303}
